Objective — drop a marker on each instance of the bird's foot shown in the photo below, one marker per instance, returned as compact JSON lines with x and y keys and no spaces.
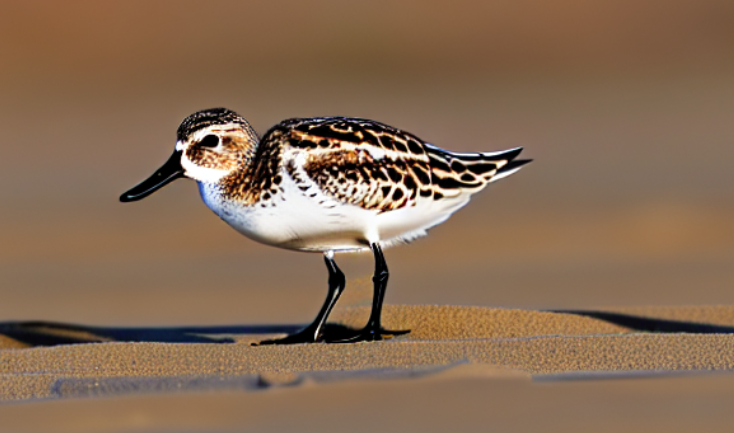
{"x":306,"y":335}
{"x":334,"y":334}
{"x":369,"y":333}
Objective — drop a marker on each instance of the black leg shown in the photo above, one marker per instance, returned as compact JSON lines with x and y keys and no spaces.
{"x":373,"y":330}
{"x":379,"y":280}
{"x":313,"y":332}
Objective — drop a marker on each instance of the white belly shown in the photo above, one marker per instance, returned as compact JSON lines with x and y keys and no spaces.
{"x":296,"y":221}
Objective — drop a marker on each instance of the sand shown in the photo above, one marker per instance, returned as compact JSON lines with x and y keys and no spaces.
{"x":460,"y":368}
{"x":473,"y":341}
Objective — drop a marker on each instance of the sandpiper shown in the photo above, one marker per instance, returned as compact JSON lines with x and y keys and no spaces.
{"x":326,"y":184}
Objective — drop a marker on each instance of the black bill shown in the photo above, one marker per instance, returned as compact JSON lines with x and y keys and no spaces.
{"x":169,"y":172}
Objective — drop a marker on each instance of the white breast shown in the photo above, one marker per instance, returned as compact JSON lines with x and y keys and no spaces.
{"x":296,"y":220}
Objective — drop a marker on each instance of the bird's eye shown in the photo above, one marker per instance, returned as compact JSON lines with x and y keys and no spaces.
{"x":209,"y":141}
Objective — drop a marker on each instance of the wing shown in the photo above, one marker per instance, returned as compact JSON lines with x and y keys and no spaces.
{"x":357,"y":161}
{"x":378,"y":167}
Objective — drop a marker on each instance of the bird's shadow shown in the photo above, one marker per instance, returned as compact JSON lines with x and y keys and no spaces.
{"x":39,"y":333}
{"x":648,"y":324}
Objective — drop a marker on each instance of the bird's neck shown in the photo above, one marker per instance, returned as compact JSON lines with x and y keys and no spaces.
{"x":258,"y":173}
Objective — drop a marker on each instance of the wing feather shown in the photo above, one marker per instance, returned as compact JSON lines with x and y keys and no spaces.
{"x":358,"y":161}
{"x":373,"y":165}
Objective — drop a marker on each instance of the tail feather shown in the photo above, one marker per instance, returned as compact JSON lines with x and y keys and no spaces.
{"x":454,"y":171}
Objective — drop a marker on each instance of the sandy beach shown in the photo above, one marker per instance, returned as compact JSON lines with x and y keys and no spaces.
{"x":464,"y":350}
{"x":512,"y":343}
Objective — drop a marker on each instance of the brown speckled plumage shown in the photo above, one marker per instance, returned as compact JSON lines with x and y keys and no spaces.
{"x":260,"y":177}
{"x":358,"y":162}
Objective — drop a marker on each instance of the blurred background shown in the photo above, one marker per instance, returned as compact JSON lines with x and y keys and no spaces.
{"x":626,"y":107}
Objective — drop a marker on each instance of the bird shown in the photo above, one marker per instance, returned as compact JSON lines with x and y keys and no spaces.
{"x":326,"y":185}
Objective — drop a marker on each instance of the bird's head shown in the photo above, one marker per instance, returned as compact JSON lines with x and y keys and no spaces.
{"x":210,"y":145}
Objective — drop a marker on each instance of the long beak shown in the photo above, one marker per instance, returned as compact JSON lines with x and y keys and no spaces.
{"x":169,"y":172}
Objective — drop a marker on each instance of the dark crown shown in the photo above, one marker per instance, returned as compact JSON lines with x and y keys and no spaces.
{"x":204,"y":118}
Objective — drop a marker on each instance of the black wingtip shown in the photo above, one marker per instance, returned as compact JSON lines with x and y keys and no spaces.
{"x":514,"y":165}
{"x":509,"y":154}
